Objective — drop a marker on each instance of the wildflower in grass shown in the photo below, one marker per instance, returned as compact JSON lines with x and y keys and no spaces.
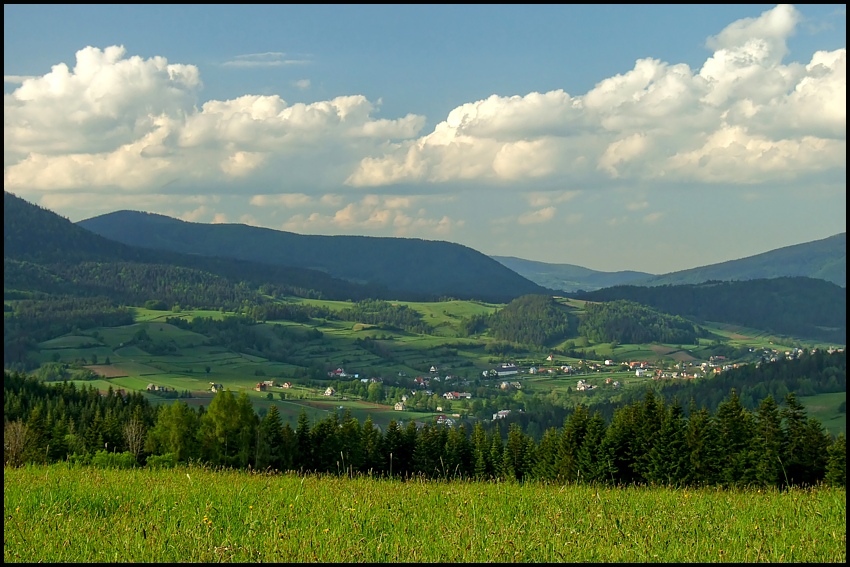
{"x":326,"y":530}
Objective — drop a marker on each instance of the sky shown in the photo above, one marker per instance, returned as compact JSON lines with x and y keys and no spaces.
{"x":614,"y":137}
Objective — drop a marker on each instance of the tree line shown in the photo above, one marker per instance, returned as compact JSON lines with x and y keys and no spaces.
{"x":795,"y":306}
{"x":649,"y":441}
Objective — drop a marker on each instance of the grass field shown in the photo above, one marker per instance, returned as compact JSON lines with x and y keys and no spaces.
{"x":824,"y":407}
{"x":62,"y":514}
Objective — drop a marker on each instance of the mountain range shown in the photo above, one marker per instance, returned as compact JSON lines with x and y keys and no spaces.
{"x":133,"y":257}
{"x":824,"y":259}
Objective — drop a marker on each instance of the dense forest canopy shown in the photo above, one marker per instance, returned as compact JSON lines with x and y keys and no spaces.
{"x":629,"y":322}
{"x":795,"y":306}
{"x":532,"y":319}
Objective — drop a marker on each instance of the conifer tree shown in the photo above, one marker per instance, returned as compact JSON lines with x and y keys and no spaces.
{"x":270,"y":441}
{"x":767,"y":444}
{"x":668,"y":459}
{"x":735,"y":428}
{"x":702,"y":445}
{"x":836,"y":466}
{"x":591,"y":458}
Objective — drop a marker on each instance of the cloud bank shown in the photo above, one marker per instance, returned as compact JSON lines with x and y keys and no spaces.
{"x":115,"y":125}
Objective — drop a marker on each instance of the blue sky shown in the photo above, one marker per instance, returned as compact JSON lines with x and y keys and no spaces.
{"x":652,"y":138}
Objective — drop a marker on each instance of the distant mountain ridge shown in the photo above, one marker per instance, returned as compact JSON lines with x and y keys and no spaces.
{"x":824,"y":259}
{"x":569,"y":277}
{"x":406,"y":265}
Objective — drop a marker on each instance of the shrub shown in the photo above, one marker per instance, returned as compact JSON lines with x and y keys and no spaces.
{"x":107,"y":460}
{"x":166,"y":461}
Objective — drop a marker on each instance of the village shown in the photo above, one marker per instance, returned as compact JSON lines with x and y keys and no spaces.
{"x":509,"y":377}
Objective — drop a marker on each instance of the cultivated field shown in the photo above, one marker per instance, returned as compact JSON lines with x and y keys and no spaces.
{"x":60,"y":513}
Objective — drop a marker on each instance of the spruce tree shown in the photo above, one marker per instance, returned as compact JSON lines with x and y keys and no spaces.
{"x":836,"y":466}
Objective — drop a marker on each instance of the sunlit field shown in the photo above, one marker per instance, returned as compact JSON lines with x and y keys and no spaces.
{"x":62,"y":513}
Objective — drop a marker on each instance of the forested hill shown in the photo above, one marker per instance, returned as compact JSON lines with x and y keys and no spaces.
{"x":399,"y":264}
{"x":35,"y":234}
{"x":800,"y":307}
{"x":45,"y":252}
{"x":824,"y":259}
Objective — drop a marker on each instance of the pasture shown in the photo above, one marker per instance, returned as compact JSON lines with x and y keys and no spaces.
{"x":824,"y":407}
{"x":63,"y":514}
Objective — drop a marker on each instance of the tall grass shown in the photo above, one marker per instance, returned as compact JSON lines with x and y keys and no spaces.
{"x":62,"y":513}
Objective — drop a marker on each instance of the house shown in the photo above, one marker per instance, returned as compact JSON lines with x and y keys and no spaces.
{"x":581,"y":386}
{"x":532,"y":370}
{"x":609,"y":362}
{"x":516,"y":385}
{"x":506,"y":369}
{"x":501,"y":414}
{"x":330,"y":391}
{"x":213,"y":387}
{"x":549,"y":358}
{"x":505,"y":385}
{"x":399,"y":406}
{"x":639,"y":372}
{"x":445,"y":420}
{"x":260,"y":387}
{"x":287,"y":385}
{"x":452,"y":395}
{"x":433,"y":369}
{"x":268,"y":383}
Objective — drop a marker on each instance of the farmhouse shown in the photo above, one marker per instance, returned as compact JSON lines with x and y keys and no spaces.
{"x":501,"y":414}
{"x":506,"y":370}
{"x":399,"y":406}
{"x":260,"y":387}
{"x":330,"y":391}
{"x":214,"y":387}
{"x":444,"y":420}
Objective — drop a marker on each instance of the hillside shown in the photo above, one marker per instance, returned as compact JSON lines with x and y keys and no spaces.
{"x":569,"y":277}
{"x":800,"y":307}
{"x":404,"y":265}
{"x":41,"y":248}
{"x":824,"y":259}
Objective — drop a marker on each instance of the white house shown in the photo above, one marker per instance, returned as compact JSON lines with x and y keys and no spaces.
{"x":501,"y":414}
{"x":506,"y":369}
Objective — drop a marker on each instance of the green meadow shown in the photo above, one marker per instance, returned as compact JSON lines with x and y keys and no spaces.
{"x":63,"y":514}
{"x":192,"y":364}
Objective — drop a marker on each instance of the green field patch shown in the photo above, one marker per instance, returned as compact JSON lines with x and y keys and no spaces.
{"x":132,"y":382}
{"x":70,"y":341}
{"x":136,"y":368}
{"x":824,"y":408}
{"x":107,"y":371}
{"x":102,"y":385}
